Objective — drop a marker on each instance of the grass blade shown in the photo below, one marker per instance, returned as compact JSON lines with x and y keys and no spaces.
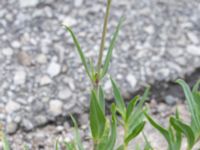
{"x":144,"y":97}
{"x":135,"y":132}
{"x":163,"y":131}
{"x":101,"y":99}
{"x":147,"y":143}
{"x":196,"y":87}
{"x":97,"y":118}
{"x":6,"y":145}
{"x":110,"y":49}
{"x":81,"y":54}
{"x":77,"y":135}
{"x":131,"y":106}
{"x":118,"y":98}
{"x":193,"y":108}
{"x":185,"y":129}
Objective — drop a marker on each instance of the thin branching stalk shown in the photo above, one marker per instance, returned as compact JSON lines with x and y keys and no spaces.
{"x":103,"y":37}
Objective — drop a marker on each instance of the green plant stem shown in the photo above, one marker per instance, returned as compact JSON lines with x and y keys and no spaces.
{"x":103,"y":37}
{"x":95,"y":145}
{"x":125,"y":132}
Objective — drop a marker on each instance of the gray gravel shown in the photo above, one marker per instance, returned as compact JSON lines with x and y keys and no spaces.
{"x":41,"y":75}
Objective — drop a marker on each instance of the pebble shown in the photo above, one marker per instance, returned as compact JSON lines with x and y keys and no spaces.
{"x":24,"y":58}
{"x":28,"y":3}
{"x":45,"y":80}
{"x":170,"y":100}
{"x":78,"y":3}
{"x":7,"y":52}
{"x":193,"y":38}
{"x":149,"y":29}
{"x":20,"y":77}
{"x":69,"y":21}
{"x":54,"y":69}
{"x":15,"y":44}
{"x":11,"y":127}
{"x":64,"y":94}
{"x":41,"y":120}
{"x":27,"y":125}
{"x":131,"y":80}
{"x":55,"y":107}
{"x":12,"y":106}
{"x":41,"y":59}
{"x":194,"y":50}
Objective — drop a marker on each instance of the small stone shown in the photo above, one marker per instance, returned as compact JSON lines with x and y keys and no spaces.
{"x":41,"y":59}
{"x":131,"y":80}
{"x":162,"y":74}
{"x":64,"y":94}
{"x":38,"y":106}
{"x":11,"y":128}
{"x":78,"y":3}
{"x":170,"y":100}
{"x":12,"y":106}
{"x":24,"y":58}
{"x":193,"y":38}
{"x":54,"y":69}
{"x":107,"y":85}
{"x":45,"y":80}
{"x":27,"y":125}
{"x":16,"y":44}
{"x":194,"y":50}
{"x":84,"y":119}
{"x":55,"y":107}
{"x":69,"y":21}
{"x":149,"y":29}
{"x":20,"y":77}
{"x":59,"y":128}
{"x":40,"y":120}
{"x":28,"y":3}
{"x":7,"y":52}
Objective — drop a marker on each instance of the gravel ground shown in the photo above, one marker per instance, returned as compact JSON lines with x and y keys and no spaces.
{"x":41,"y":75}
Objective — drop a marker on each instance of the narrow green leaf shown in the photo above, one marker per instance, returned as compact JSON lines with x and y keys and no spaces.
{"x":97,"y":118}
{"x":92,"y":70}
{"x":70,"y":146}
{"x":6,"y":145}
{"x":135,"y":132}
{"x":144,"y":97}
{"x":77,"y":135}
{"x":121,"y":147}
{"x":196,"y":87}
{"x":57,"y":145}
{"x":163,"y":131}
{"x":101,"y":99}
{"x":26,"y":147}
{"x":135,"y":119}
{"x":107,"y":142}
{"x":147,"y":143}
{"x":191,"y":103}
{"x":131,"y":106}
{"x":185,"y":129}
{"x":118,"y":99}
{"x":178,"y":133}
{"x":110,"y":49}
{"x":81,"y":54}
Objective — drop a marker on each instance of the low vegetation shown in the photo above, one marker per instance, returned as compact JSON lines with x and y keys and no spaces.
{"x":132,"y":116}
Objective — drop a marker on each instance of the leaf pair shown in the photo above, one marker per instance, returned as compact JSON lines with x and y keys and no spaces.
{"x":132,"y":115}
{"x":90,"y":70}
{"x":97,"y":117}
{"x":193,"y":101}
{"x":107,"y":142}
{"x":173,"y":139}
